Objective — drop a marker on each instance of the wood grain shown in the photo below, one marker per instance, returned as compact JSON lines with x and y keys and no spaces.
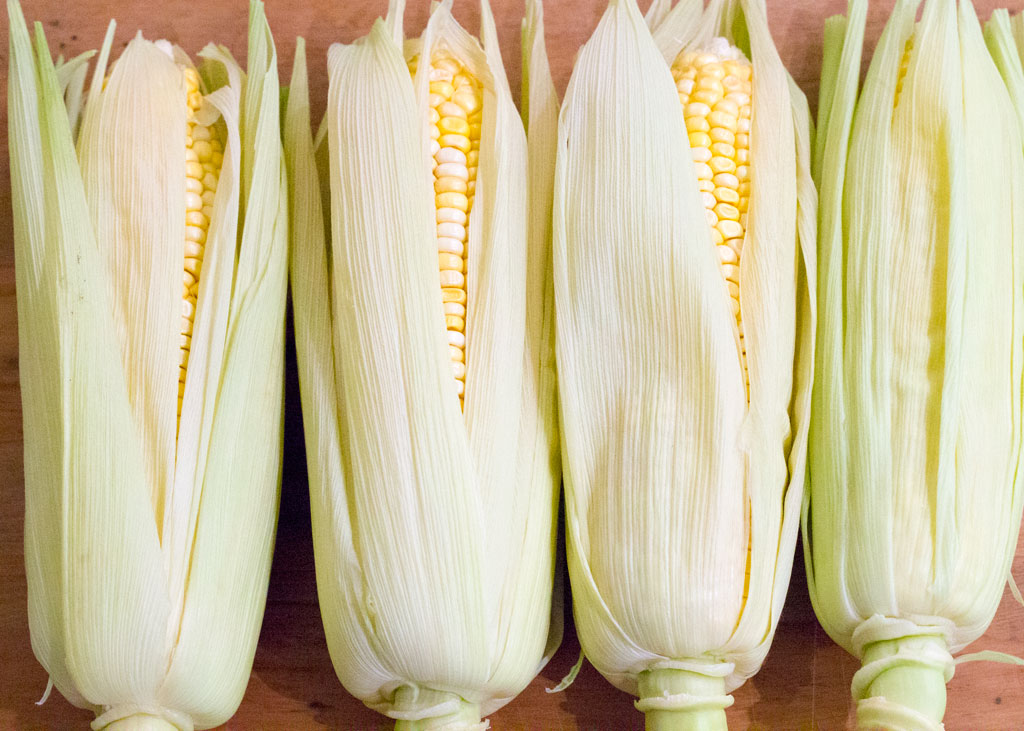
{"x":804,"y":683}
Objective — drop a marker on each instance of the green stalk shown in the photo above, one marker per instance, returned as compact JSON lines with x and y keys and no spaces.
{"x":407,"y":698}
{"x":699,"y":700}
{"x":910,"y":694}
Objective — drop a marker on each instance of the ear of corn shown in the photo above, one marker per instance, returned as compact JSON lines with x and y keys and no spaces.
{"x":683,"y":485}
{"x":914,"y":501}
{"x":136,"y":486}
{"x":433,"y":524}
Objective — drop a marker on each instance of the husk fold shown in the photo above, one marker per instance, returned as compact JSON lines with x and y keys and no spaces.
{"x":670,"y":475}
{"x":433,"y":530}
{"x":914,"y":503}
{"x":147,"y":554}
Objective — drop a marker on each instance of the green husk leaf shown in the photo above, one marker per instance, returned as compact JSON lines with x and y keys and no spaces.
{"x":71,"y":75}
{"x":39,"y":359}
{"x":836,"y":113}
{"x":112,"y":649}
{"x":832,"y":62}
{"x":540,"y":114}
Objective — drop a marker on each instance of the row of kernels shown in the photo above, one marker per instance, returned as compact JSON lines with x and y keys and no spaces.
{"x":203,"y":158}
{"x":716,"y":96}
{"x":193,"y":97}
{"x":455,"y":116}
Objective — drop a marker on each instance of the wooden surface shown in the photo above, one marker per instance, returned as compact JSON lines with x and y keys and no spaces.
{"x":805,"y":681}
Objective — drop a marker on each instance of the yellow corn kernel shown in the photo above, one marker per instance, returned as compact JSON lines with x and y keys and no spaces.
{"x":203,"y":155}
{"x":715,"y":93}
{"x":456,"y":101}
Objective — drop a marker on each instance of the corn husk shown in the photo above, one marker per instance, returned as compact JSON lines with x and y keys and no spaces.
{"x":915,"y":499}
{"x":147,"y":552}
{"x":433,"y":530}
{"x":675,"y":485}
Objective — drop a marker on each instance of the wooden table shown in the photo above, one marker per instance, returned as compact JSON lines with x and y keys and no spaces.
{"x":804,"y":683}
